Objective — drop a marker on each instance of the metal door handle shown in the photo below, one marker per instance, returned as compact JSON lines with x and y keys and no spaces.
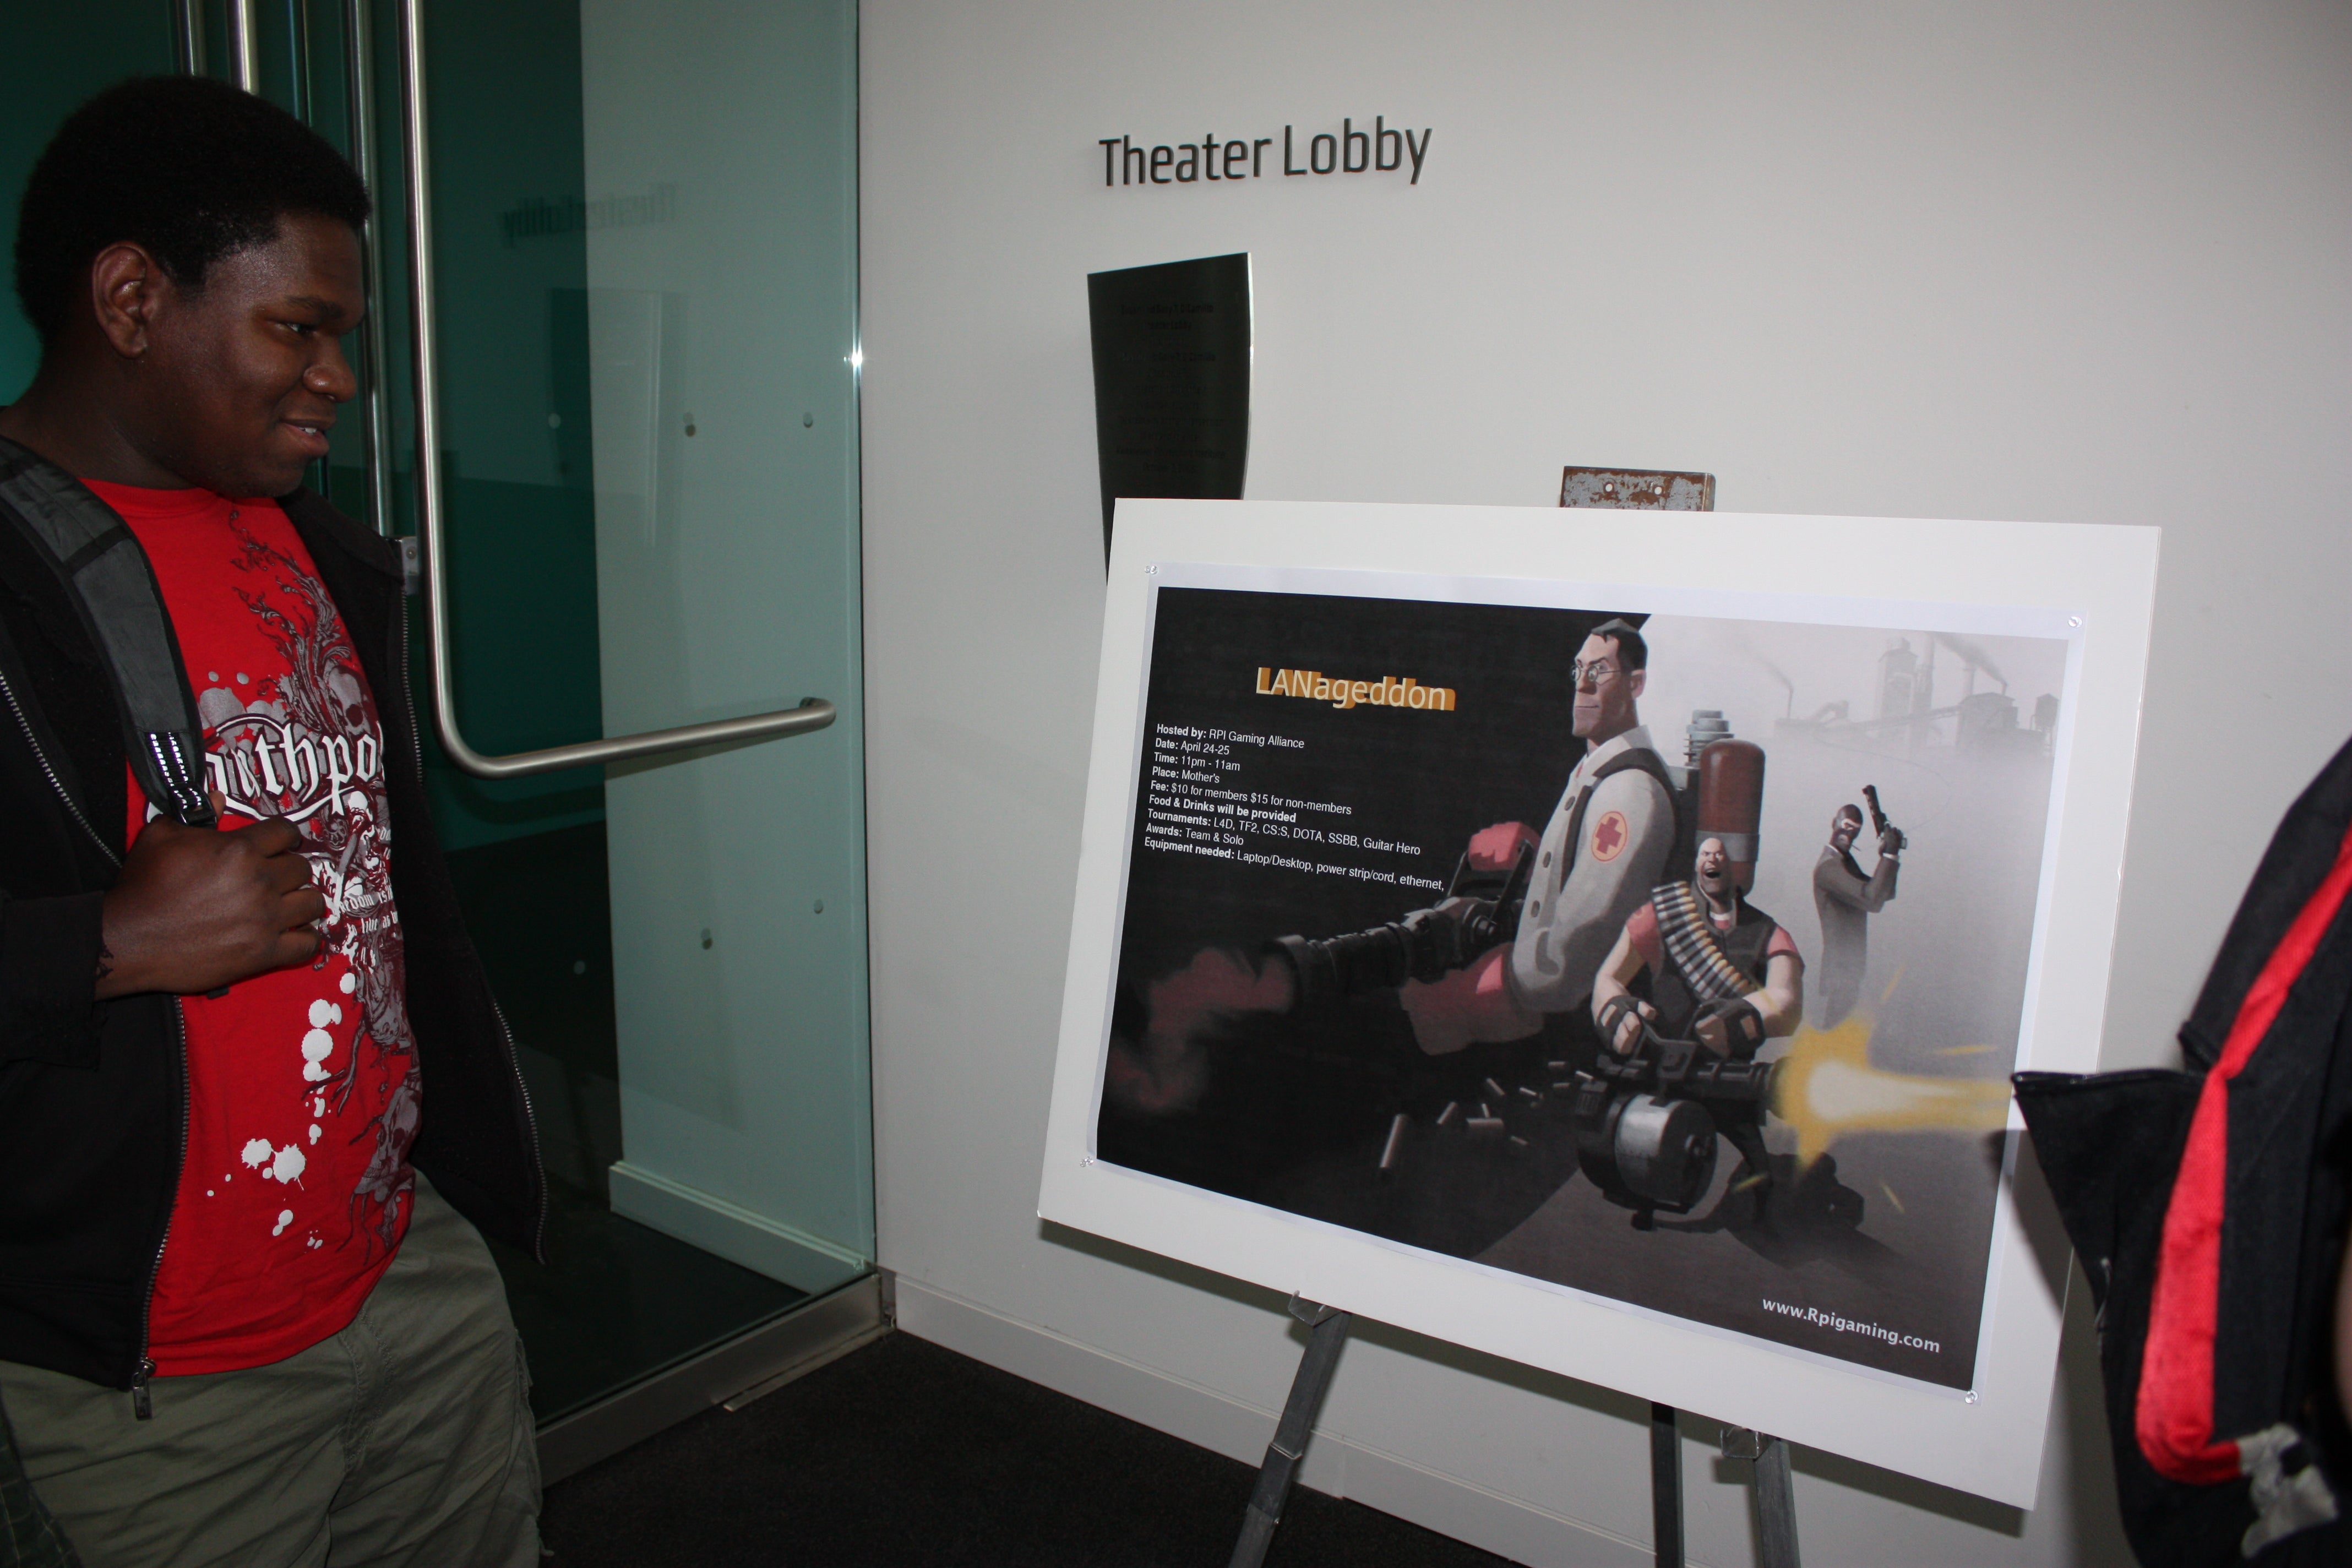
{"x":814,"y":713}
{"x":244,"y":45}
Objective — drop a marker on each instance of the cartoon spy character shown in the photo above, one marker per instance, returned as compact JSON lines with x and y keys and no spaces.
{"x":1605,"y":846}
{"x":1722,"y":971}
{"x":1845,"y":899}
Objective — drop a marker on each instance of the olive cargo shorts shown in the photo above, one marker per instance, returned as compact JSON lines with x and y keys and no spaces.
{"x":403,"y":1441}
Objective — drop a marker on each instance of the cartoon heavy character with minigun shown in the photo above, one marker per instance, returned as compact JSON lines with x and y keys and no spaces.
{"x":1696,"y":980}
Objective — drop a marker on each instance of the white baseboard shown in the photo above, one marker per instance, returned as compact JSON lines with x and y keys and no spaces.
{"x":1447,"y":1504}
{"x":764,"y":1245}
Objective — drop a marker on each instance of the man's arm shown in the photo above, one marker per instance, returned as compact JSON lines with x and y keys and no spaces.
{"x":1869,"y":894}
{"x":1780,"y":1006}
{"x":1880,"y":890}
{"x":1468,"y":1005}
{"x":1618,"y":972}
{"x":50,"y":949}
{"x":1627,"y":831}
{"x":192,"y":911}
{"x":195,"y":909}
{"x":1782,"y":1000}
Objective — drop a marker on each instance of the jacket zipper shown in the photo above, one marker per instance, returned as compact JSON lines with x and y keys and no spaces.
{"x":530,"y":1126}
{"x":49,"y":768}
{"x":506,"y":1036}
{"x":141,"y":1405}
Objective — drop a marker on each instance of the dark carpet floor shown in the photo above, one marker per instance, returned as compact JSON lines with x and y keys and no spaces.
{"x":910,"y":1454}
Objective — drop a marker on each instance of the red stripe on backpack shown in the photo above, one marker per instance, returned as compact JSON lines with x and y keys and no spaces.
{"x":2174,"y":1413}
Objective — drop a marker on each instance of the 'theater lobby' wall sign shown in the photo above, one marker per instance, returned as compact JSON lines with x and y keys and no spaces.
{"x":1381,"y":149}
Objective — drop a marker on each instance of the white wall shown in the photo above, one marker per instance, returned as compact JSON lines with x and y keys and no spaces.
{"x":2067,"y":261}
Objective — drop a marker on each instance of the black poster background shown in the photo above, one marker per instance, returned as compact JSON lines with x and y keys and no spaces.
{"x":1295,"y":1112}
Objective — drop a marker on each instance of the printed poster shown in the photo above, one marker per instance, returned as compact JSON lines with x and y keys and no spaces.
{"x":1366,"y":917}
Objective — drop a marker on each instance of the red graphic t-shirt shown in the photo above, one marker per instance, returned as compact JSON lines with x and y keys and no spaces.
{"x":302,"y":1083}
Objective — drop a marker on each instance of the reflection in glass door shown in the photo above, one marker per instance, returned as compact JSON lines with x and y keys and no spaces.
{"x":642,"y":219}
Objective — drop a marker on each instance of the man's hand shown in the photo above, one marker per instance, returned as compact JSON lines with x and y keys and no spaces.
{"x":1628,"y":1033}
{"x":1890,"y":844}
{"x":196,"y":908}
{"x":1730,"y":1026}
{"x":1497,"y":849}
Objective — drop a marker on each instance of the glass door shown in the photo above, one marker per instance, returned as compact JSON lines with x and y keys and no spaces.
{"x":643,"y":221}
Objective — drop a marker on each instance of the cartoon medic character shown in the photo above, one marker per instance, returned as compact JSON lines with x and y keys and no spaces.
{"x":1845,"y":899}
{"x":1598,"y":857}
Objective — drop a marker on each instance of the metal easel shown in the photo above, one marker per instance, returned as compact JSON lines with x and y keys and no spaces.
{"x":1326,"y":1332}
{"x":1776,"y":1503}
{"x":1633,"y":489}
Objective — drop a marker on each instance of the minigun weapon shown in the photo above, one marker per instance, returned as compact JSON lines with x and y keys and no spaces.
{"x":1645,"y":1123}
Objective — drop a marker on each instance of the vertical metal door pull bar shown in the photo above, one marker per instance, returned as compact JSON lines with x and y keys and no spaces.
{"x":244,"y":45}
{"x":375,"y":408}
{"x":1327,"y":1330}
{"x":814,"y":713}
{"x":190,"y":41}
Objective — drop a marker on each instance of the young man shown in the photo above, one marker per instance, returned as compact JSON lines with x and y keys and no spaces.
{"x":237,"y":1323}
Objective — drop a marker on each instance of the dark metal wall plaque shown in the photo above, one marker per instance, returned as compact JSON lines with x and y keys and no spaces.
{"x":1171,"y":347}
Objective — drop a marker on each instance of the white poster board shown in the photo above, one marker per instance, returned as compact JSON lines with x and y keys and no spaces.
{"x":1304,"y":712}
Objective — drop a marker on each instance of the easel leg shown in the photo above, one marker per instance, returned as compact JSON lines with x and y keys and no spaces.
{"x":1329,"y":1331}
{"x":1776,"y":1498}
{"x":1776,"y":1508}
{"x":1666,"y":1485}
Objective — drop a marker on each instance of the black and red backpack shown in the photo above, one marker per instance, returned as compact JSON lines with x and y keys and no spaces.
{"x":2209,"y":1207}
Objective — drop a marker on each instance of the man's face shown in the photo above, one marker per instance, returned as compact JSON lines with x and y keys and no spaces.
{"x":1843,"y":831}
{"x":1604,"y":695}
{"x":1713,"y":870}
{"x":237,"y":383}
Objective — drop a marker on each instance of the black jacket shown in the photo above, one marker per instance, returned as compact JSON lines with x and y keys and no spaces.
{"x":93,"y":1095}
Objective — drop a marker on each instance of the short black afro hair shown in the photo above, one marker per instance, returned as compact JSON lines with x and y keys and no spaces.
{"x":189,"y":168}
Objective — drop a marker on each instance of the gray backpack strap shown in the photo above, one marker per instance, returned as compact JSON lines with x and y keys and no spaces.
{"x":112,"y":586}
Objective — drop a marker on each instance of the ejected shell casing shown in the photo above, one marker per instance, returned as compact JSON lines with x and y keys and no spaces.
{"x":1395,"y":1143}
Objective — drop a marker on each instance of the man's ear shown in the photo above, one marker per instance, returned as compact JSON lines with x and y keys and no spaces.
{"x":126,"y":284}
{"x":1635,"y":681}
